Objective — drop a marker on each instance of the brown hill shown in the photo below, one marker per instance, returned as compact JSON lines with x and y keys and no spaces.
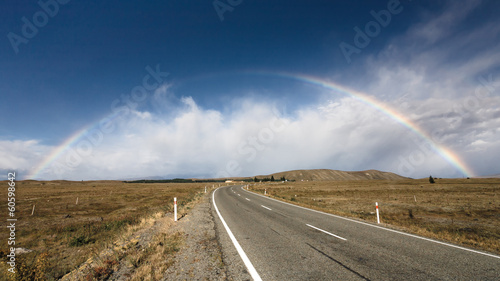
{"x":334,"y":175}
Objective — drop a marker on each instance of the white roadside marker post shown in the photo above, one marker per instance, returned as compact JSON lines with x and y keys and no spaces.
{"x":378,"y":217}
{"x":205,"y":189}
{"x":76,"y":201}
{"x":175,"y":208}
{"x":265,"y":191}
{"x":33,"y":211}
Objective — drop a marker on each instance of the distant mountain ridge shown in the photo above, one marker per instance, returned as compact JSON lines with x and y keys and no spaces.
{"x":334,"y":175}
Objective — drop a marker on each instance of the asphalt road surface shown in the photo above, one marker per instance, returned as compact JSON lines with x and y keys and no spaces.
{"x":280,"y":241}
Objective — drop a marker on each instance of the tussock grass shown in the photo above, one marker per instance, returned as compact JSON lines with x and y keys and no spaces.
{"x":461,"y":211}
{"x":64,"y":234}
{"x":152,"y":262}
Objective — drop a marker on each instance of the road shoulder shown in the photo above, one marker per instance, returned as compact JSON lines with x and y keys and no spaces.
{"x":201,"y":256}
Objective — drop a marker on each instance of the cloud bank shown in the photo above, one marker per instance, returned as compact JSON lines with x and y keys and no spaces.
{"x":255,"y":138}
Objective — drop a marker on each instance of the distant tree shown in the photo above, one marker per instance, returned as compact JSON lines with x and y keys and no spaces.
{"x":283,"y":178}
{"x":255,"y":179}
{"x":431,"y":179}
{"x":272,"y":178}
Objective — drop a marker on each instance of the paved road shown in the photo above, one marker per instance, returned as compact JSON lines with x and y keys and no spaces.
{"x":285,"y":242}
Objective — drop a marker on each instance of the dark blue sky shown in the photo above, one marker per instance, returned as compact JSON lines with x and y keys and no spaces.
{"x":89,"y":53}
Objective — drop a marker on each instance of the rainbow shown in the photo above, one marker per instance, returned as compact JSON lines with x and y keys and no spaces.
{"x":443,"y":151}
{"x":67,"y":144}
{"x":447,"y":154}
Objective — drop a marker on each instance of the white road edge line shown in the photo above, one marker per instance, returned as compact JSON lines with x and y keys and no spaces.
{"x":247,"y":199}
{"x":380,"y":227}
{"x":242,"y":254}
{"x":324,"y":231}
{"x":266,"y":207}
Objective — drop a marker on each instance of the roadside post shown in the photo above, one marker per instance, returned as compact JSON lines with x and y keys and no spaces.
{"x":378,"y":216}
{"x":175,"y":208}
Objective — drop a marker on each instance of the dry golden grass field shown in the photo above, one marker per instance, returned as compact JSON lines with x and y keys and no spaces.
{"x":461,"y":211}
{"x":64,"y":234}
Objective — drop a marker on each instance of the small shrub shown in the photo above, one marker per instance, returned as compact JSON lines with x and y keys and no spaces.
{"x":410,"y":213}
{"x":70,"y":228}
{"x":24,"y":268}
{"x":111,"y":263}
{"x":172,"y":243}
{"x":99,"y":273}
{"x":42,"y":266}
{"x":81,"y":240}
{"x":31,"y":267}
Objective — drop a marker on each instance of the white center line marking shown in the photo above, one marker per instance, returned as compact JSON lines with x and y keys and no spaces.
{"x":247,"y":199}
{"x":382,"y":228}
{"x":327,"y":232}
{"x":239,"y":195}
{"x":266,"y":207}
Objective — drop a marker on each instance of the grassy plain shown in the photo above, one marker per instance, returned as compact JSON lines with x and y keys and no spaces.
{"x":460,"y":211}
{"x":73,"y":221}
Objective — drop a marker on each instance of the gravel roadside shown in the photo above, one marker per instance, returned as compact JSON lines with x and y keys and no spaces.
{"x":208,"y":253}
{"x":201,"y":257}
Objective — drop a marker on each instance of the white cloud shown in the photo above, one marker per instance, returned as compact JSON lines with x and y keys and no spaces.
{"x":434,"y":28}
{"x":254,"y":138}
{"x":21,"y":155}
{"x":441,"y":56}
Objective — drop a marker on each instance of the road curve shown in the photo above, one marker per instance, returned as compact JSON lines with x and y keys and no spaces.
{"x":286,"y":242}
